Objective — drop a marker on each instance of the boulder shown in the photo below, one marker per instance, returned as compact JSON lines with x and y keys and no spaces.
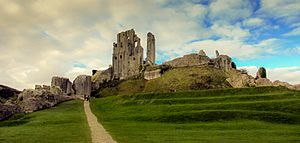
{"x":82,"y":85}
{"x":64,"y":84}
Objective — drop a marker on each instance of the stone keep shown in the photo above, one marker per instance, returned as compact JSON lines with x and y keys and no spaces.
{"x":150,"y":49}
{"x":127,"y":55}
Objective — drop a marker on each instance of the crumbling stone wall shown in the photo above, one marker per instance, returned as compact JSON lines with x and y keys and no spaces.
{"x":100,"y":77}
{"x":150,"y":49}
{"x":148,"y":75}
{"x":63,"y":83}
{"x":223,"y":62}
{"x":189,"y":60}
{"x":127,"y":55}
{"x":82,"y":85}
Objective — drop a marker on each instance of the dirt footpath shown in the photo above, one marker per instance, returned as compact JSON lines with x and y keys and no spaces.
{"x":98,"y":133}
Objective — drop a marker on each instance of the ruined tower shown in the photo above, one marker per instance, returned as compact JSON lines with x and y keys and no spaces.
{"x":150,"y":49}
{"x":127,"y":55}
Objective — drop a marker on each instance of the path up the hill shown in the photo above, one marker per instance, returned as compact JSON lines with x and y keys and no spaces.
{"x":98,"y":133}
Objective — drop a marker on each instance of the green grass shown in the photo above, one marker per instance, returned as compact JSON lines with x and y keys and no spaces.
{"x":179,"y":79}
{"x":264,"y":114}
{"x":63,"y":123}
{"x":188,"y":78}
{"x":125,"y":87}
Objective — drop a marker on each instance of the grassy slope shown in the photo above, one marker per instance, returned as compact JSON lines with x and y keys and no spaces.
{"x":264,"y":114}
{"x":188,"y":78}
{"x":125,"y":87}
{"x":64,"y":123}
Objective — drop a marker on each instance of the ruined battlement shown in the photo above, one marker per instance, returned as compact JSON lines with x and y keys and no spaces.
{"x":128,"y":54}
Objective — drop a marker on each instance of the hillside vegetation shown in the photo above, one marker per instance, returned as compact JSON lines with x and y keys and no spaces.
{"x":264,"y":114}
{"x":65,"y":123}
{"x":177,"y":79}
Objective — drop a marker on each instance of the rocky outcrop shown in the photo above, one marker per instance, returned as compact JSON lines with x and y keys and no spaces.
{"x":261,"y":73}
{"x":82,"y":85}
{"x":64,"y":84}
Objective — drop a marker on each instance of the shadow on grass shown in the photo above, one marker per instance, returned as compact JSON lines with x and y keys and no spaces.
{"x":15,"y":120}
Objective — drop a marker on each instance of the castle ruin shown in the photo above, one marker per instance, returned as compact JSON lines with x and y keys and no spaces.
{"x":150,"y":49}
{"x":127,"y":58}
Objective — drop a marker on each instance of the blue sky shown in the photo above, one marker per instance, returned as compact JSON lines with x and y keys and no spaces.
{"x":40,"y":39}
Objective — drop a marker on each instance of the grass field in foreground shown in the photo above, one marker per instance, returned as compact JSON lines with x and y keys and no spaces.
{"x":264,"y":114}
{"x":65,"y":123}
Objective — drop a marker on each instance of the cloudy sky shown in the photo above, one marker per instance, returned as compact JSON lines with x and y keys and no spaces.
{"x":42,"y":38}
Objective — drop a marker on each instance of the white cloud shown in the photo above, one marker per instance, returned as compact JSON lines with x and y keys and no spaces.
{"x":294,"y":32}
{"x":230,"y":31}
{"x":253,"y":22}
{"x":40,"y":39}
{"x":49,"y":37}
{"x":281,"y":9}
{"x":229,"y":10}
{"x":229,"y":47}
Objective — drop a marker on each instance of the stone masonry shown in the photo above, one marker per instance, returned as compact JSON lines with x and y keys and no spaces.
{"x":82,"y":85}
{"x":223,"y":62}
{"x":150,"y":49}
{"x":127,"y":55}
{"x":64,"y":83}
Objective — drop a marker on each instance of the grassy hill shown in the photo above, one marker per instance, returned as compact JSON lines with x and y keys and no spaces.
{"x":264,"y":114}
{"x":65,"y":123}
{"x":179,"y":79}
